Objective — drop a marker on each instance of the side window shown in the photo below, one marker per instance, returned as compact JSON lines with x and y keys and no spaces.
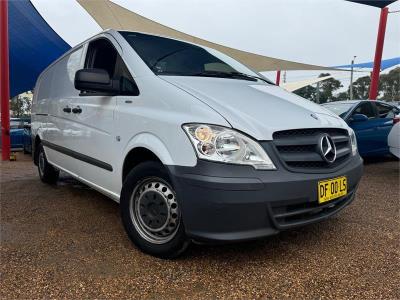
{"x":385,"y":111}
{"x":101,"y":54}
{"x":365,"y":109}
{"x":127,"y":84}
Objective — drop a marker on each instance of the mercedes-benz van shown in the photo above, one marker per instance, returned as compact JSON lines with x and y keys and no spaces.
{"x":194,"y":145}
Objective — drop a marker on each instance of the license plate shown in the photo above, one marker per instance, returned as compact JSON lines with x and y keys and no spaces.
{"x":331,"y":189}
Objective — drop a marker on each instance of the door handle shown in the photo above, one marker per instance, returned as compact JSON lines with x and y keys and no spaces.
{"x":67,"y":109}
{"x":77,"y":110}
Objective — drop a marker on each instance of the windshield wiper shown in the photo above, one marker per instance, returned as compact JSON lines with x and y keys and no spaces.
{"x":222,"y":75}
{"x":252,"y":76}
{"x":237,"y":75}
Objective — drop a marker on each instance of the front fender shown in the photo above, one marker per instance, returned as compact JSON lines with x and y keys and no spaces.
{"x":159,"y":148}
{"x":151,"y":142}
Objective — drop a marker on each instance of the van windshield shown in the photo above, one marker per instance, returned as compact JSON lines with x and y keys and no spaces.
{"x":166,"y":56}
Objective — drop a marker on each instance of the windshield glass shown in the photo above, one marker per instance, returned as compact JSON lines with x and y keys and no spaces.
{"x":339,"y":108}
{"x":166,"y":56}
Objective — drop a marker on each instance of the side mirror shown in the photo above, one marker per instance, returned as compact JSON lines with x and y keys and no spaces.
{"x":358,"y":118}
{"x":95,"y":80}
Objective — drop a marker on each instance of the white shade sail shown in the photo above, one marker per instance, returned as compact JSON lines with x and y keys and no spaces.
{"x":110,"y":15}
{"x":293,"y":86}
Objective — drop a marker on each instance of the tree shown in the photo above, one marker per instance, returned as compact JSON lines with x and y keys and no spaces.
{"x":308,"y":92}
{"x":341,"y":96}
{"x":389,"y":85}
{"x":27,"y":105}
{"x":361,"y":88}
{"x":327,"y":88}
{"x":21,"y":106}
{"x":16,"y":106}
{"x":389,"y":88}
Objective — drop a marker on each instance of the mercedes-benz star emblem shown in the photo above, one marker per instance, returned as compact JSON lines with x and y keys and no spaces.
{"x":327,"y":148}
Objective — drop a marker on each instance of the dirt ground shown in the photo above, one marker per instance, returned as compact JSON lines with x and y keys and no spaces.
{"x":67,"y":241}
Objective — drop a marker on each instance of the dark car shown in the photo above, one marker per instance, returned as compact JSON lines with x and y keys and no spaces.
{"x":16,"y":134}
{"x":371,"y":122}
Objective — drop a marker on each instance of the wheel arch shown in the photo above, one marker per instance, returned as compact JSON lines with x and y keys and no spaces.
{"x":144,"y":147}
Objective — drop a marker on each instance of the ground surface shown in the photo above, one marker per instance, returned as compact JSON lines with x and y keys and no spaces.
{"x":68,"y":241}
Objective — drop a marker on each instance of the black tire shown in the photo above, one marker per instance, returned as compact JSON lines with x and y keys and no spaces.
{"x":26,"y":151}
{"x":133,"y":196}
{"x":394,"y":157}
{"x":47,"y":173}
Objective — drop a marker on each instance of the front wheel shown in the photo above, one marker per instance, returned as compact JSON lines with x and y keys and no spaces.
{"x":150,"y":211}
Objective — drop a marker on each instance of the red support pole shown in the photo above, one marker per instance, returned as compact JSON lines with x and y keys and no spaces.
{"x":373,"y":91}
{"x":278,"y":77}
{"x":4,"y":82}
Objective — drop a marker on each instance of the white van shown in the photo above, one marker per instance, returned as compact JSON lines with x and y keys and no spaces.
{"x":193,"y":145}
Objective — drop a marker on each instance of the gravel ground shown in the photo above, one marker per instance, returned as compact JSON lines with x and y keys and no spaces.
{"x":67,"y":241}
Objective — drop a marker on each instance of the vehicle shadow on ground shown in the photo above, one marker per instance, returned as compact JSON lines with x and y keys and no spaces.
{"x":274,"y":246}
{"x":379,"y":159}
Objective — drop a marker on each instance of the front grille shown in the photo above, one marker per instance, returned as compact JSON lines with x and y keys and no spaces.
{"x":293,"y":213}
{"x":298,"y":148}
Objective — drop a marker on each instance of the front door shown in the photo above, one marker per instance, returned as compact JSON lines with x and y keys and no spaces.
{"x":366,"y":131}
{"x":95,"y":114}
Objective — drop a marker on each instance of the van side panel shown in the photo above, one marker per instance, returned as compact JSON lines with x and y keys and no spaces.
{"x":40,"y":104}
{"x":61,"y":128}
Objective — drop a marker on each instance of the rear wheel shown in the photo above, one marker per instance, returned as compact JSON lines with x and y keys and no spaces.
{"x":47,"y":172}
{"x":150,"y":211}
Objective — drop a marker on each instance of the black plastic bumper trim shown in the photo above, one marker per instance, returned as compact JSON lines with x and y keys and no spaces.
{"x":229,"y":203}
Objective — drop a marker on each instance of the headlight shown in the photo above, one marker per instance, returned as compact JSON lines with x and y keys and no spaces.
{"x":353,"y":141}
{"x":221,"y":144}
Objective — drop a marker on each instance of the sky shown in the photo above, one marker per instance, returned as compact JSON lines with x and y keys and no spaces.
{"x":321,"y":32}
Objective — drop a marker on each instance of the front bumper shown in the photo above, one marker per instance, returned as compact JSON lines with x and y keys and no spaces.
{"x":226,"y":203}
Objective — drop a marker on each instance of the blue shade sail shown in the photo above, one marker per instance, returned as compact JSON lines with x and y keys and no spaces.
{"x":33,"y":45}
{"x":385,"y":64}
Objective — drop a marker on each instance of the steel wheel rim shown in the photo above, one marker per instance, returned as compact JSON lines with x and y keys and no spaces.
{"x":152,"y":200}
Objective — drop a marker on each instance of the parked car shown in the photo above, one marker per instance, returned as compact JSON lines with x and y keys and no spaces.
{"x":16,"y":133}
{"x":394,"y":103}
{"x":371,"y":121}
{"x":394,"y":140}
{"x":193,"y":145}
